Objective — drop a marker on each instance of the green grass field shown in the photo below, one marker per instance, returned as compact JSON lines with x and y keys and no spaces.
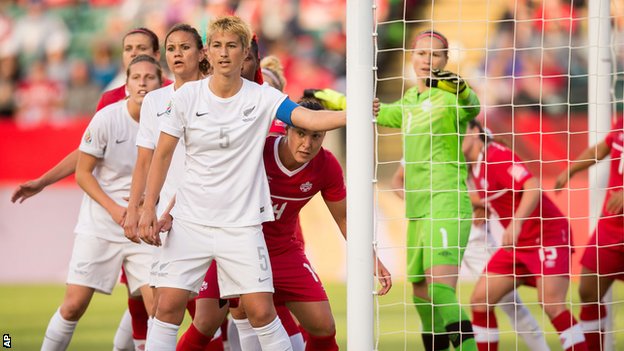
{"x":26,"y":309}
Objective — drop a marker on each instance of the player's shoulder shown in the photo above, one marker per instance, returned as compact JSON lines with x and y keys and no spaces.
{"x":498,"y":152}
{"x":159,"y":94}
{"x":326,"y":160}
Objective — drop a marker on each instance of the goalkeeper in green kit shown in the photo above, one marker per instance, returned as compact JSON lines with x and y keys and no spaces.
{"x":433,"y":116}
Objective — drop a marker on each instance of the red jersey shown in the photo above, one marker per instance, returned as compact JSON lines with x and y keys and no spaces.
{"x":499,"y":180}
{"x":117,"y":94}
{"x":615,"y":141}
{"x":291,"y":190}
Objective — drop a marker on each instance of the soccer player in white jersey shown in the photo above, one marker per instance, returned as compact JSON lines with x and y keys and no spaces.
{"x":107,"y":156}
{"x":187,"y":61}
{"x":224,"y":196}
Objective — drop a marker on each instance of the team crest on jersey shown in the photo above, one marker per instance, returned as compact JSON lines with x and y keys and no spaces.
{"x":87,"y":137}
{"x":305,"y":187}
{"x":426,"y":105}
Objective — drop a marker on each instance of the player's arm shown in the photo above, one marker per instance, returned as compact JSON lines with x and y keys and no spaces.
{"x":66,"y":167}
{"x":137,"y":188}
{"x":531,"y":194}
{"x":90,"y":185}
{"x":321,"y":120}
{"x":586,"y":159}
{"x":148,"y":223}
{"x":338,"y":210}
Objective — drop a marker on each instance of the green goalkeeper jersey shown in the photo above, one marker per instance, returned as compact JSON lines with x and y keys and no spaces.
{"x":433,"y":124}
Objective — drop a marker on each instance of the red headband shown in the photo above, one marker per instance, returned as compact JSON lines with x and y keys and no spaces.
{"x":431,"y":34}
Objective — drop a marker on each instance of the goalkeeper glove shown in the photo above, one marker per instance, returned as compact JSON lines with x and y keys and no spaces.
{"x":448,"y":81}
{"x":331,"y":99}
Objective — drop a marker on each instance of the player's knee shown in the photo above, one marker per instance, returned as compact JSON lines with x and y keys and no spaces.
{"x":478,"y":300}
{"x":260,"y":316}
{"x":588,"y":294}
{"x":170,"y":308}
{"x":73,"y":310}
{"x":322,"y":327}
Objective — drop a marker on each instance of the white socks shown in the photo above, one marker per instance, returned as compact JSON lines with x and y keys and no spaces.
{"x":162,"y":336}
{"x":59,"y":333}
{"x":273,"y":337}
{"x":247,"y":337}
{"x":123,"y":335}
{"x":297,"y":342}
{"x":523,"y":321}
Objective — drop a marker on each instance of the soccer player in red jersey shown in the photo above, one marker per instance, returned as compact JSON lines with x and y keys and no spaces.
{"x":604,"y":253}
{"x":535,"y":247}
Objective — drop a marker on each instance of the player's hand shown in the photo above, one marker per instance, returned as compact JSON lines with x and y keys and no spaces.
{"x":165,"y":223}
{"x":448,"y":81}
{"x":118,"y":214}
{"x":331,"y":99}
{"x":376,"y":107}
{"x":615,"y":202}
{"x":148,"y":225}
{"x":562,"y":180}
{"x":384,"y":277}
{"x":479,"y":214}
{"x":26,"y":190}
{"x":131,"y":225}
{"x":510,"y":236}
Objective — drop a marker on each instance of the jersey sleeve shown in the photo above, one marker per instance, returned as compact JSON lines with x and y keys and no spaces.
{"x":146,"y":136}
{"x":335,"y":189}
{"x":95,"y":137}
{"x":175,"y":120}
{"x":391,"y":115}
{"x":468,"y":108}
{"x":274,"y":98}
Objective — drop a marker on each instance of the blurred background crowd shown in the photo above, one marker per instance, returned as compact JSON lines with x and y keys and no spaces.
{"x":58,"y":56}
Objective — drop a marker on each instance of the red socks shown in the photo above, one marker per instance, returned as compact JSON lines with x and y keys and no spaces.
{"x":139,"y":319}
{"x":193,"y":340}
{"x":321,"y":343}
{"x":485,"y":330}
{"x":591,"y":318}
{"x":570,"y":332}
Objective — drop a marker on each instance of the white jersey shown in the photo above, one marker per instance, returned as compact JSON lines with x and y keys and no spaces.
{"x":111,"y":137}
{"x":155,"y":105}
{"x":225,"y":183}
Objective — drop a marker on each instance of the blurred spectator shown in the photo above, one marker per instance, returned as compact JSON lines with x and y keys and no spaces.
{"x":38,"y":99}
{"x":57,"y":64}
{"x":82,"y":94}
{"x":34,"y":32}
{"x":8,"y":79}
{"x":103,"y":66}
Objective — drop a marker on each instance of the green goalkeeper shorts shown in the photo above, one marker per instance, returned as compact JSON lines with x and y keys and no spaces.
{"x":436,"y":241}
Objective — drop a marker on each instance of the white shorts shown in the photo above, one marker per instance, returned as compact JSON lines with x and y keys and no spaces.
{"x":243,"y":264}
{"x":482,"y":244}
{"x":96,"y":263}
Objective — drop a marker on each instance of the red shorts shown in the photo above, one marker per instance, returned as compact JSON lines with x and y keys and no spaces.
{"x":528,"y":264}
{"x":210,"y":286}
{"x":604,"y":253}
{"x":294,"y":279}
{"x":123,"y":279}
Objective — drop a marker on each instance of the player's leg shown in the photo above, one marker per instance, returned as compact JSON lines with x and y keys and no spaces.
{"x":123,"y":335}
{"x":523,"y":321}
{"x":183,"y":261}
{"x":552,"y":291}
{"x":244,"y":269}
{"x":317,"y":319}
{"x":210,"y":311}
{"x":448,"y":237}
{"x":94,"y":265}
{"x":602,"y":263}
{"x":63,"y":323}
{"x":487,"y":293}
{"x":432,"y":338}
